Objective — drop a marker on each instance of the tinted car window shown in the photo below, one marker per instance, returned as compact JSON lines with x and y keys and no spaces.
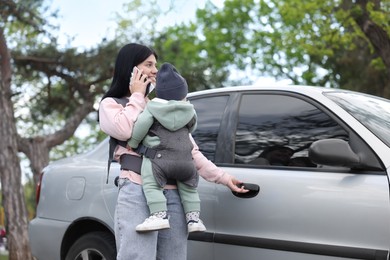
{"x":371,"y":111}
{"x":278,"y":130}
{"x":209,"y":111}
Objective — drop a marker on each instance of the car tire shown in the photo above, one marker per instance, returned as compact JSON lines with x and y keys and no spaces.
{"x":96,"y":246}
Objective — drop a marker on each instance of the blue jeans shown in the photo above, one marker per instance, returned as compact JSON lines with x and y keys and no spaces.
{"x":131,"y":210}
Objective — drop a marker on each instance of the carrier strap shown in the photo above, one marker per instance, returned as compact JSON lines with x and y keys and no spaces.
{"x":114,"y":142}
{"x":131,"y":162}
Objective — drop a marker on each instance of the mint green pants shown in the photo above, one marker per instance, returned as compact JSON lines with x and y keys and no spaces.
{"x":154,"y":193}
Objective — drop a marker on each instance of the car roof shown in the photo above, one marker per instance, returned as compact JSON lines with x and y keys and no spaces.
{"x":302,"y":89}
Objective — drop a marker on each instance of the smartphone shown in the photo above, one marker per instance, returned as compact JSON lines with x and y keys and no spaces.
{"x":149,"y":88}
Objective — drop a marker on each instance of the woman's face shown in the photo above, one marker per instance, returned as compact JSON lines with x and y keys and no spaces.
{"x":149,"y":68}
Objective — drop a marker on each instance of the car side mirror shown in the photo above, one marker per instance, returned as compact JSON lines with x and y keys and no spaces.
{"x":333,"y":152}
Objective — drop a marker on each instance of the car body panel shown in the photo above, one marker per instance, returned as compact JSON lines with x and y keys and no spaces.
{"x":290,"y":211}
{"x":46,"y":237}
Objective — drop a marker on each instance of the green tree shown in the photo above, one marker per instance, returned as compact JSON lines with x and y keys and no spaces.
{"x":326,"y":43}
{"x":340,"y":44}
{"x":181,"y":46}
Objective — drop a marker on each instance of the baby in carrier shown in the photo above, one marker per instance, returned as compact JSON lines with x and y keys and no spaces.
{"x":161,"y":135}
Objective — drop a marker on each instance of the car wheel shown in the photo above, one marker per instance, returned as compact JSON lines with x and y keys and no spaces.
{"x":93,"y":246}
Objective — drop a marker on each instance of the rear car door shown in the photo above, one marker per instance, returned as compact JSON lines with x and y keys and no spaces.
{"x":303,"y":210}
{"x":210,"y":111}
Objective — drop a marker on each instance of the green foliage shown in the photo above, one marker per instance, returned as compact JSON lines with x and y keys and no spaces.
{"x":138,"y":20}
{"x":309,"y":42}
{"x":24,"y":22}
{"x":181,"y":47}
{"x":226,"y":31}
{"x":136,"y":23}
{"x":50,"y":84}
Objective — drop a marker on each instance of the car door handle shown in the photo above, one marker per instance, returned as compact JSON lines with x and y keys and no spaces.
{"x":254,"y":189}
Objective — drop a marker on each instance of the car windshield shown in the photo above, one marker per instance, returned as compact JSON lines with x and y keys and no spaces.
{"x":373,"y":112}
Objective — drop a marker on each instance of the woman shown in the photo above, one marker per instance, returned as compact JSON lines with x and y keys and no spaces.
{"x":135,"y":68}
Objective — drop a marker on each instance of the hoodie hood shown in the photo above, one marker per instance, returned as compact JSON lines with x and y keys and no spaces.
{"x":171,"y":114}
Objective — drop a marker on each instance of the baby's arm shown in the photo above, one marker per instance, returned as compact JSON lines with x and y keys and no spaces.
{"x":141,"y":128}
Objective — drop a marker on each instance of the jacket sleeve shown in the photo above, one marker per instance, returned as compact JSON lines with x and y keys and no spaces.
{"x":141,"y":128}
{"x":206,"y":168}
{"x":118,"y":121}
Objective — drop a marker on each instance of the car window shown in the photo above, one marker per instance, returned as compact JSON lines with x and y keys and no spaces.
{"x":209,"y":111}
{"x":371,"y":111}
{"x":278,"y":130}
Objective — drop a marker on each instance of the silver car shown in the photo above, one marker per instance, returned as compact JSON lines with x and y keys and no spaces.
{"x":316,"y":159}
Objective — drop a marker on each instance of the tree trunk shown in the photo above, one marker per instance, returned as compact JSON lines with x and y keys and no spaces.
{"x":375,"y":33}
{"x":11,"y":179}
{"x":37,"y":151}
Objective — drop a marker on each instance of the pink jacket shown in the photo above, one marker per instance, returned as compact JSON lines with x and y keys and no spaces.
{"x":118,"y":121}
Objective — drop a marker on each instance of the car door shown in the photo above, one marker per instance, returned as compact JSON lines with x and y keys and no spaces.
{"x":210,"y":111}
{"x":303,"y":211}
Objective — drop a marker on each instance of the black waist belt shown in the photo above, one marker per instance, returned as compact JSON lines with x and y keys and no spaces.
{"x":133,"y":163}
{"x":146,"y":151}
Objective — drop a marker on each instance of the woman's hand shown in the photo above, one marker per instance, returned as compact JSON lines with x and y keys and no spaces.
{"x":138,"y":81}
{"x":233,"y":185}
